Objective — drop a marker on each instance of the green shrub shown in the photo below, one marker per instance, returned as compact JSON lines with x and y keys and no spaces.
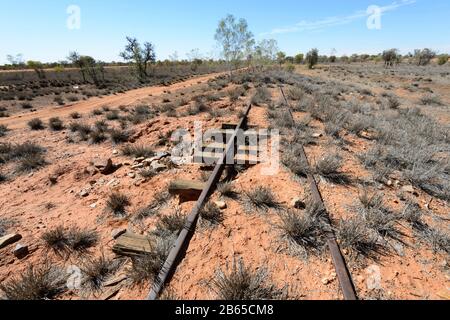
{"x":36,"y":124}
{"x":56,"y":124}
{"x":312,"y":58}
{"x":443,"y":59}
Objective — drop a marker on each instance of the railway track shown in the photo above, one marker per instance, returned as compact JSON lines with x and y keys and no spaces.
{"x":181,"y":245}
{"x":342,"y":272}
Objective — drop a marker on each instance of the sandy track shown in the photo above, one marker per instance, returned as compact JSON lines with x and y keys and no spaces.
{"x":127,"y":98}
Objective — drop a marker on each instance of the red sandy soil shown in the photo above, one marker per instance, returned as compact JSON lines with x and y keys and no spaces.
{"x":418,"y":274}
{"x":128,"y":98}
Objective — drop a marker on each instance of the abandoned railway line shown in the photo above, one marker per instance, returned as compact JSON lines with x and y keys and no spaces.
{"x":175,"y":223}
{"x":230,"y":149}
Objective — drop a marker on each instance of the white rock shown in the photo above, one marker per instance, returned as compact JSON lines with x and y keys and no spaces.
{"x":158,"y":167}
{"x":408,"y":188}
{"x":221,"y":205}
{"x":137,"y":166}
{"x":84,"y":193}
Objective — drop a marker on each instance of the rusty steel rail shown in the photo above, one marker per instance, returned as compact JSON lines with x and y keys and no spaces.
{"x":342,"y":272}
{"x":182,"y":243}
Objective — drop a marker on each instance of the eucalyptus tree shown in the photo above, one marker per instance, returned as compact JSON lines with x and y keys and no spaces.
{"x":235,"y":40}
{"x":140,"y":56}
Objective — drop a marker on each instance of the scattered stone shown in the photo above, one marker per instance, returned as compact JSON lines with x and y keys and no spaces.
{"x":179,"y":161}
{"x":316,"y":135}
{"x":137,"y":166}
{"x":113,"y":183}
{"x":115,"y":152}
{"x":132,"y":175}
{"x":408,"y":188}
{"x":93,"y":206}
{"x":158,"y":167}
{"x":398,"y":247}
{"x":104,"y":166}
{"x":140,"y":159}
{"x":297,"y":203}
{"x":84,"y":193}
{"x":53,"y":178}
{"x":91,"y":170}
{"x":148,"y":161}
{"x":329,"y":279}
{"x":116,"y":233}
{"x":221,"y":205}
{"x":9,"y":239}
{"x":389,"y":183}
{"x":161,"y":155}
{"x":21,"y":251}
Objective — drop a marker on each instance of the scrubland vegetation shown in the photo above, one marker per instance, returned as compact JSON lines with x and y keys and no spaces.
{"x":375,"y":129}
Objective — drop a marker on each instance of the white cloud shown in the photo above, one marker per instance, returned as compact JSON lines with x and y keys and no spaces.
{"x":335,"y":21}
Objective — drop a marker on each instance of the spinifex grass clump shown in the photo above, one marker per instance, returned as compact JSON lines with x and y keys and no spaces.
{"x":242,"y":283}
{"x":261,"y":199}
{"x":36,"y":283}
{"x":117,"y":204}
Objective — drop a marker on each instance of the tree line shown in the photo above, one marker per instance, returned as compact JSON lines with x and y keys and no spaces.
{"x":238,"y":47}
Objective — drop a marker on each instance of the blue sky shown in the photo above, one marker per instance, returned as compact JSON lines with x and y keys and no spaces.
{"x":38,"y":29}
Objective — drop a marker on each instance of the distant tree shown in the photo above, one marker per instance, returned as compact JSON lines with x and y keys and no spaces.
{"x":290,"y":67}
{"x":289,"y":59}
{"x":333,"y":53}
{"x":443,"y":59}
{"x":323,"y":59}
{"x":423,"y":57}
{"x":38,"y":67}
{"x":298,"y":59}
{"x":15,"y":60}
{"x":364,"y":57}
{"x":265,"y":51}
{"x":88,"y":66}
{"x":75,"y":59}
{"x":281,"y":57}
{"x":344,"y":59}
{"x":235,"y":39}
{"x":174,"y":57}
{"x":312,"y":57}
{"x":194,"y":54}
{"x":390,"y":57}
{"x":141,"y":56}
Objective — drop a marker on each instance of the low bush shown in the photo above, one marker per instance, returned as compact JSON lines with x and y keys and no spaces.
{"x":36,"y":124}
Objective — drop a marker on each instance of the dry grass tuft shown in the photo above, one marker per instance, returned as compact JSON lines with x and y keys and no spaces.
{"x":242,"y":283}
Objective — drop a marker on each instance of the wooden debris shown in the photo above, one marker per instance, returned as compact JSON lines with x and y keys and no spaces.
{"x":9,"y":239}
{"x":130,"y":244}
{"x":115,"y":281}
{"x":111,"y":292}
{"x":187,"y":190}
